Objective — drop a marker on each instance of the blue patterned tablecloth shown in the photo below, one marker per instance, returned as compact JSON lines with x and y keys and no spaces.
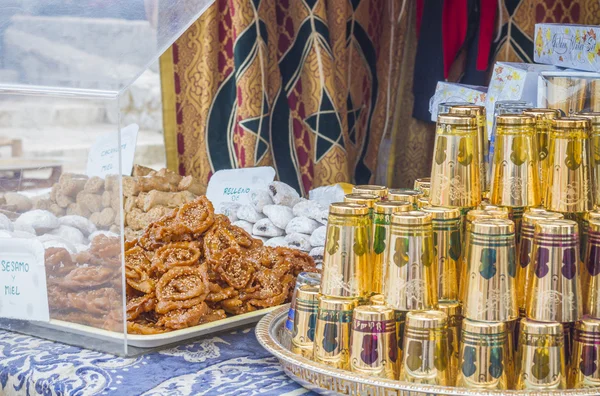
{"x":231,"y":363}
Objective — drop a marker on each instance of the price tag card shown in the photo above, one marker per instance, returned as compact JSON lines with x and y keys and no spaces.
{"x":23,"y":293}
{"x":234,"y":185}
{"x":103,"y":158}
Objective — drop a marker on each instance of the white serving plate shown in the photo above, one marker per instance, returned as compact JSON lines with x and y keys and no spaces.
{"x":158,"y":340}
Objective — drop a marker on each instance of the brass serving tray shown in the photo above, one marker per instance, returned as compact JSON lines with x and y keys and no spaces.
{"x":326,"y":380}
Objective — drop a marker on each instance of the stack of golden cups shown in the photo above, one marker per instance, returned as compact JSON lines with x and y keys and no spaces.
{"x":450,"y":284}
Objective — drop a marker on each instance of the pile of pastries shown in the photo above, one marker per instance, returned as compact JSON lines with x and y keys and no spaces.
{"x":191,"y":266}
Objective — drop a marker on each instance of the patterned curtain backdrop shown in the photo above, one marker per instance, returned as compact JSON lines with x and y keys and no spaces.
{"x":306,"y":86}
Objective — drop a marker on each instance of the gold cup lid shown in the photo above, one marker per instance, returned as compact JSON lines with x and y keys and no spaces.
{"x":592,"y":215}
{"x":347,"y":208}
{"x":377,"y":299}
{"x":475,"y":327}
{"x":411,"y":218}
{"x":363,"y":199}
{"x":594,"y":224}
{"x":515,"y":119}
{"x":556,"y":227}
{"x":533,"y":217}
{"x":473,"y":110}
{"x":528,"y":326}
{"x":404,"y":194}
{"x":422,"y":202}
{"x":457,"y":119}
{"x":493,"y":227}
{"x":308,"y":292}
{"x":426,"y":319}
{"x":474,"y":214}
{"x":548,"y":114}
{"x":380,"y":191}
{"x":572,"y":123}
{"x":498,"y":214}
{"x":589,"y":326}
{"x":389,"y":207}
{"x":450,"y":308}
{"x":537,"y":209}
{"x":337,"y":304}
{"x":442,"y":212}
{"x":488,"y":206}
{"x":373,"y":313}
{"x":593,"y":117}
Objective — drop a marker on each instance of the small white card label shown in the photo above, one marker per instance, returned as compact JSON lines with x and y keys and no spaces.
{"x":103,"y":158}
{"x":23,"y":292}
{"x":234,"y":185}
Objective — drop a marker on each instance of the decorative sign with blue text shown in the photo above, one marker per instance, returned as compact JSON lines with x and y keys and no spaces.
{"x":234,"y":185}
{"x":23,"y":293}
{"x":103,"y":158}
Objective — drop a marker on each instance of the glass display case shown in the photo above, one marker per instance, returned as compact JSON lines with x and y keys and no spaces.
{"x":80,"y":102}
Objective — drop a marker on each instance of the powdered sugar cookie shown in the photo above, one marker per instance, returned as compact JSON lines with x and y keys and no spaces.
{"x":298,"y":241}
{"x":260,"y":198}
{"x":40,"y":220}
{"x":244,"y":225}
{"x":248,"y":213}
{"x":317,"y":238}
{"x":282,"y":194}
{"x":71,"y":234}
{"x":276,"y":242}
{"x":230,"y":209}
{"x":302,"y":224}
{"x":280,"y":215}
{"x":307,"y":208}
{"x":79,"y":222}
{"x":317,"y":254}
{"x":321,"y":216}
{"x":266,"y":228}
{"x":5,"y":223}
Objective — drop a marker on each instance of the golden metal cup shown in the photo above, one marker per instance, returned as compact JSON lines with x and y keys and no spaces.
{"x":493,"y":208}
{"x":347,"y":270}
{"x":590,"y":274}
{"x":568,"y":333}
{"x":424,"y":185}
{"x":516,"y":215}
{"x":406,"y":195}
{"x":426,"y":350}
{"x":543,"y":122}
{"x":305,"y":320}
{"x":585,"y":366}
{"x":555,"y":288}
{"x":455,"y":177}
{"x":594,"y":150}
{"x":379,"y":191}
{"x":445,"y":107}
{"x":479,"y":113}
{"x":382,"y":220}
{"x":490,"y":283}
{"x":363,"y":199}
{"x":332,"y":334}
{"x":566,"y":94}
{"x":446,"y":248}
{"x":453,"y":309}
{"x":422,"y":202}
{"x":515,"y":172}
{"x":484,"y":356}
{"x":569,"y":188}
{"x":525,"y":268}
{"x":304,"y":278}
{"x":411,"y":275}
{"x":373,"y":345}
{"x":400,"y":317}
{"x":541,"y":356}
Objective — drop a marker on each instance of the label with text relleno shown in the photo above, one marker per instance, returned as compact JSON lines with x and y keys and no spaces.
{"x":23,"y":292}
{"x":234,"y":185}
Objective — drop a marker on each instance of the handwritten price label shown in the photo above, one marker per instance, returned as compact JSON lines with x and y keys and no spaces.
{"x":23,"y":292}
{"x":234,"y":185}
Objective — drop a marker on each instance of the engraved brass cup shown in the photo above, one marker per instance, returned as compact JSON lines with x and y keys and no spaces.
{"x":347,"y":269}
{"x":303,"y":278}
{"x":479,"y":113}
{"x":406,"y":195}
{"x":382,"y":220}
{"x":453,"y":309}
{"x":590,"y":274}
{"x":569,"y":174}
{"x":423,"y":184}
{"x":490,"y":283}
{"x":363,"y":199}
{"x":332,"y":334}
{"x":585,"y":367}
{"x":515,"y":173}
{"x":379,"y":191}
{"x":555,"y":288}
{"x":462,"y":267}
{"x":484,"y":356}
{"x":305,"y":320}
{"x":455,"y":168}
{"x":543,"y":122}
{"x":426,"y":351}
{"x":594,"y":150}
{"x":411,"y":275}
{"x":541,"y":356}
{"x":446,"y":248}
{"x":525,"y":268}
{"x":373,"y":345}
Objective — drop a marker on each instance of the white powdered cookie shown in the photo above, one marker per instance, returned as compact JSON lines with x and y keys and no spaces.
{"x":22,"y":234}
{"x":244,"y":225}
{"x":298,"y":241}
{"x":307,"y":208}
{"x":101,"y":232}
{"x":5,"y":223}
{"x":321,"y":216}
{"x":265,"y":227}
{"x":282,"y":194}
{"x":317,"y":238}
{"x":7,"y":234}
{"x":303,"y":225}
{"x":60,"y":243}
{"x":71,"y":234}
{"x":260,"y":198}
{"x":317,"y":254}
{"x":280,"y":215}
{"x":248,"y":213}
{"x":24,"y":227}
{"x":40,"y":220}
{"x":230,"y":209}
{"x":276,"y":242}
{"x":79,"y":222}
